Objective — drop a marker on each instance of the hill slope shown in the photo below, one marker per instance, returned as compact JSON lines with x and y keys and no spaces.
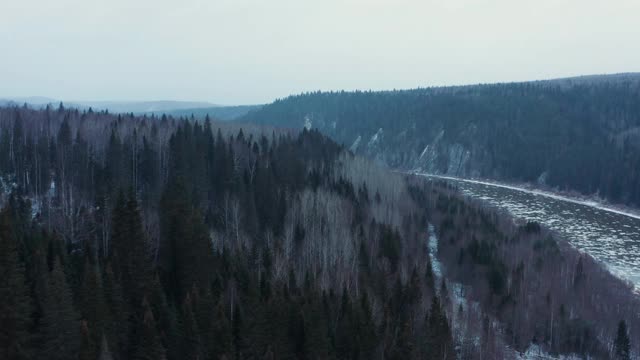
{"x":580,"y":134}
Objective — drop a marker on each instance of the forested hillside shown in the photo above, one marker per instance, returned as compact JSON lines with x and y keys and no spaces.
{"x":539,"y":288}
{"x":577,"y":134}
{"x":140,"y":238}
{"x":128,"y":237}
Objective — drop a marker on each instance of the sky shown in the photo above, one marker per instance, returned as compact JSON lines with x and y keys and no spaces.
{"x":254,"y":51}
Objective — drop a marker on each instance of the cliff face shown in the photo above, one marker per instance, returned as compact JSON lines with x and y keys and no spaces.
{"x":580,"y":134}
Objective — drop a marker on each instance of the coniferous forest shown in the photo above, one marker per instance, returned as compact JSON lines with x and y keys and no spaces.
{"x":573,"y":135}
{"x":126,"y":237}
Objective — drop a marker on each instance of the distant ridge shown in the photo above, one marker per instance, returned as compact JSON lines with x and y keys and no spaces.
{"x":142,"y":106}
{"x":200,"y":109}
{"x":216,"y":112}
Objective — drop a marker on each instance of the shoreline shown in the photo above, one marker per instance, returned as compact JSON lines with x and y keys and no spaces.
{"x":586,"y":201}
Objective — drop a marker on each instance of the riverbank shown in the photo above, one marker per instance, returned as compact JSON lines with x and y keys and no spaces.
{"x":575,"y":198}
{"x":609,"y":235}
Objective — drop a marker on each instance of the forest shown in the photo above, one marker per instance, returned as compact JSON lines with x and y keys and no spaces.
{"x":152,"y":237}
{"x":577,"y":135}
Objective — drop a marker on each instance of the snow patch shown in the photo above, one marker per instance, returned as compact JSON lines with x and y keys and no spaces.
{"x":375,"y":138}
{"x":355,"y":144}
{"x":433,"y":252}
{"x":423,"y":152}
{"x":307,"y":122}
{"x":535,"y":352}
{"x":52,"y":188}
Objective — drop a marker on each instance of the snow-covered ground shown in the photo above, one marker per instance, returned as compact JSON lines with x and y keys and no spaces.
{"x":432,"y":246}
{"x":534,"y":352}
{"x":461,"y":308}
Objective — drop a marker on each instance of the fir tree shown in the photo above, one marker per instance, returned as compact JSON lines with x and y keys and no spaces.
{"x":15,"y":303}
{"x":93,"y":308}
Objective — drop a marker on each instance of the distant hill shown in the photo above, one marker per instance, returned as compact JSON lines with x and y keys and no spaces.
{"x":138,"y":107}
{"x":217,"y":112}
{"x":32,"y":100}
{"x":579,"y":134}
{"x":168,"y":107}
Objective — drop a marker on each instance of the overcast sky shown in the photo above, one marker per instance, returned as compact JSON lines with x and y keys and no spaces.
{"x":253,"y":51}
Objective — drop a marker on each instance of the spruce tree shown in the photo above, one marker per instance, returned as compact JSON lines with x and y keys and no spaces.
{"x":61,"y":325}
{"x":367,"y":329}
{"x":87,"y":348}
{"x":117,"y":330}
{"x":345,"y":337}
{"x":439,"y":338}
{"x":190,"y":344}
{"x":315,"y":329}
{"x":119,"y":241}
{"x":622,"y":344}
{"x":222,"y":334}
{"x":148,"y":346}
{"x":204,"y":308}
{"x":139,"y":275}
{"x":93,"y":308}
{"x":15,"y":303}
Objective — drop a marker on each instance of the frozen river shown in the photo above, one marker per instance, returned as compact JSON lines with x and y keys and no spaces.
{"x":611,"y":236}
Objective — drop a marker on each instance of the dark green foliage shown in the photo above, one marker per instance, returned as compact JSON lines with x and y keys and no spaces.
{"x":578,"y":278}
{"x":61,"y":328}
{"x":221,"y":336}
{"x":87,"y":351}
{"x":622,"y":344}
{"x":532,"y":227}
{"x":316,"y":340}
{"x":429,"y":277}
{"x":93,"y":310}
{"x":117,"y":330}
{"x":390,"y":246}
{"x":15,"y":302}
{"x":185,"y":250}
{"x":439,"y":338}
{"x":129,"y":250}
{"x":367,"y":336}
{"x":190,"y":342}
{"x":149,"y":346}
